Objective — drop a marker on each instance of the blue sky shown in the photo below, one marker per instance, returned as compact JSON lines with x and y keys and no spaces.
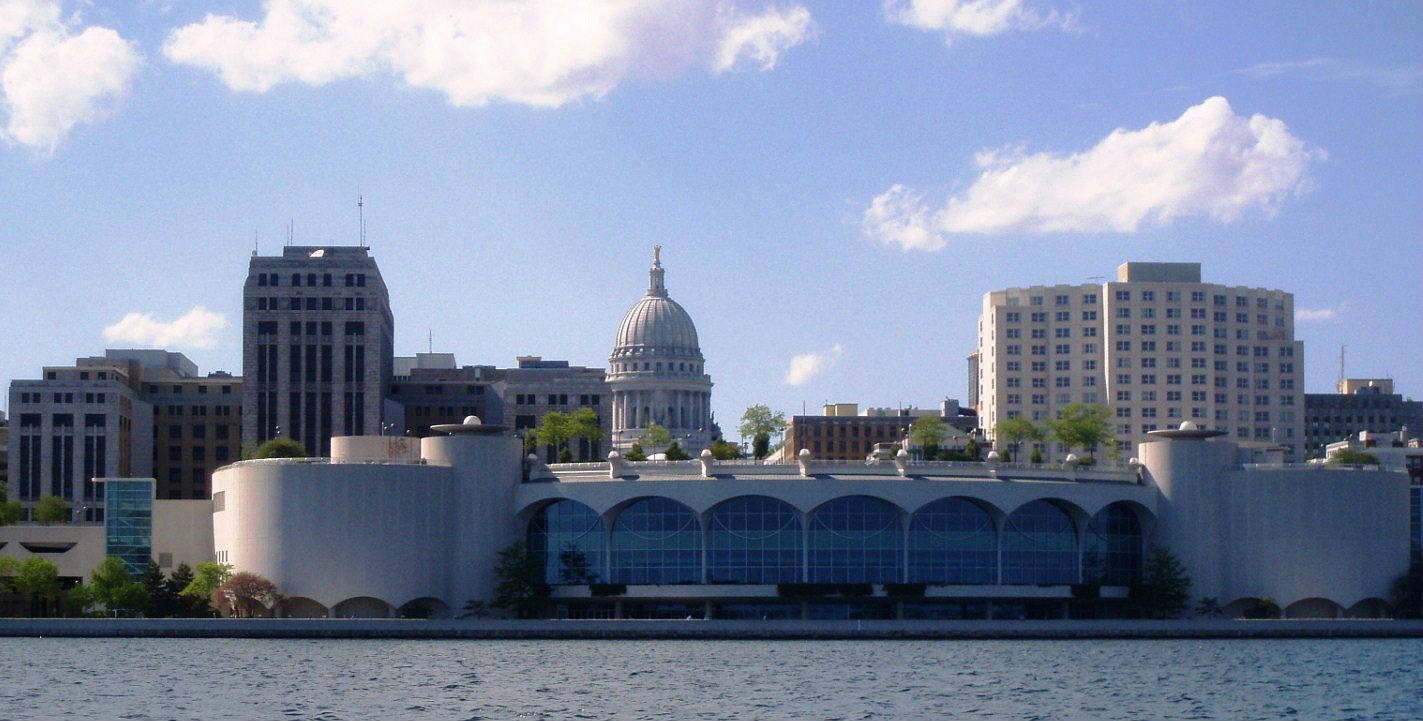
{"x":832,"y":180}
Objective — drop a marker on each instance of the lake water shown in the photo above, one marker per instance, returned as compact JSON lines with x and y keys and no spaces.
{"x":337,"y":679}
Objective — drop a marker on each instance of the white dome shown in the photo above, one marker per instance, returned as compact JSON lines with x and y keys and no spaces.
{"x":657,"y":325}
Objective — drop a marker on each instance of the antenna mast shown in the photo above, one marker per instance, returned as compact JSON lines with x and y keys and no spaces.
{"x":361,"y":215}
{"x":1340,"y":388}
{"x":431,"y":341}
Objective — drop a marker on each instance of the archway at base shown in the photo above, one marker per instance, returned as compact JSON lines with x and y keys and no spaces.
{"x":1313,"y":608}
{"x":1370,"y":608}
{"x":427,"y":607}
{"x":362,"y":607}
{"x":300,"y":607}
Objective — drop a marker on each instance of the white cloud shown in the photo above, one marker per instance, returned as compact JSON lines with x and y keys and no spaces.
{"x":1208,"y":162}
{"x":1312,"y":314}
{"x":541,"y":52}
{"x":1398,"y":79}
{"x":971,"y":17}
{"x":52,"y":78}
{"x":198,"y":328}
{"x":808,"y":365}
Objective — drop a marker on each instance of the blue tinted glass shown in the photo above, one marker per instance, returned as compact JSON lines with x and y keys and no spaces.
{"x":656,"y":540}
{"x":856,"y":539}
{"x":952,"y":541}
{"x":754,"y":539}
{"x":1039,"y":545}
{"x":1113,"y":547}
{"x":128,"y":522}
{"x":566,"y":538}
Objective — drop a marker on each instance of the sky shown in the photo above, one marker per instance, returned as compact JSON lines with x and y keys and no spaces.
{"x":835,"y":184}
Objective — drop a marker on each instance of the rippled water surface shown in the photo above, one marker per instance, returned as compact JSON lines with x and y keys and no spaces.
{"x":331,"y":679}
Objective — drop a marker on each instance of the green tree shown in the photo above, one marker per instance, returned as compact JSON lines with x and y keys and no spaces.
{"x":759,"y":419}
{"x":209,"y":577}
{"x":161,"y":593}
{"x":573,"y":566}
{"x":243,"y":593}
{"x":1036,"y":457}
{"x":635,"y":453}
{"x":51,"y":509}
{"x":724,"y":450}
{"x":1083,"y":425}
{"x":518,"y":582}
{"x":10,"y":511}
{"x":972,"y":451}
{"x":761,"y":445}
{"x":674,"y":452}
{"x":1014,"y":431}
{"x":927,"y":433}
{"x":37,"y":582}
{"x":78,"y":601}
{"x":1209,"y":606}
{"x":587,"y":426}
{"x":655,"y":436}
{"x":1353,"y":457}
{"x":1164,"y":588}
{"x":188,"y":606}
{"x":554,"y":430}
{"x":280,"y":448}
{"x":116,"y":589}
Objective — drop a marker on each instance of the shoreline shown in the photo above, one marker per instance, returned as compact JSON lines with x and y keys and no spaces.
{"x":485,"y":629}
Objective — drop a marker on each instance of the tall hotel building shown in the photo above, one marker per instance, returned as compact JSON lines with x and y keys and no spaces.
{"x":1157,"y":347}
{"x":317,"y":346}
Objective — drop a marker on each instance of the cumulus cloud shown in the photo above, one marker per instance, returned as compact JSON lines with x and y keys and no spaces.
{"x":54,"y":75}
{"x":808,"y":365}
{"x":198,"y":328}
{"x":1208,"y":162}
{"x":1314,"y":314}
{"x":971,"y":17}
{"x":1397,"y":79}
{"x":540,"y":52}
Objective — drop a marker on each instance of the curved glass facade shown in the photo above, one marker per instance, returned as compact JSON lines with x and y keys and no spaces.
{"x":952,"y":540}
{"x":1039,"y":545}
{"x":856,"y":539}
{"x":1112,"y":550}
{"x":566,"y":539}
{"x":754,"y":539}
{"x":656,"y":540}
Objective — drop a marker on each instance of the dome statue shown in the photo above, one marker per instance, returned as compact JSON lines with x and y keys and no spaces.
{"x":656,"y":371}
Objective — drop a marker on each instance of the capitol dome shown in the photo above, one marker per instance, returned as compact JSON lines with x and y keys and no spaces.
{"x":658,"y":324}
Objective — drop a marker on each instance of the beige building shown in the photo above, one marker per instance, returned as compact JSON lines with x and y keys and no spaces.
{"x":1157,"y":346}
{"x":197,"y":428}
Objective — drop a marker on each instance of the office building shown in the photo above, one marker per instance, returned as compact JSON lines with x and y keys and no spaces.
{"x":1157,"y":346}
{"x":843,"y":432}
{"x":1360,"y":404}
{"x":197,"y":428}
{"x":317,"y":340}
{"x":5,"y":453}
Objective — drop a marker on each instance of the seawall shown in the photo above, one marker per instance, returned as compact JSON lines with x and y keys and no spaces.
{"x":695,"y":629}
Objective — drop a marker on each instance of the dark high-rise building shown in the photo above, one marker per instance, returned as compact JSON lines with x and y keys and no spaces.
{"x":1362,"y":404}
{"x":317,"y":346}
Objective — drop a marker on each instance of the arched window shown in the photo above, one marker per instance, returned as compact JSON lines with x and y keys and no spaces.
{"x":656,"y":540}
{"x":1039,"y":545}
{"x":856,"y":539}
{"x":754,"y":539}
{"x":566,"y":539}
{"x":952,"y":541}
{"x":1113,"y":547}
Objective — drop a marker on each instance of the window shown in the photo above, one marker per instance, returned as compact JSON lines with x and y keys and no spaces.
{"x":1060,"y":300}
{"x":1039,"y":546}
{"x":855,"y":539}
{"x":754,"y":539}
{"x":559,"y":527}
{"x":952,"y":540}
{"x":1148,"y":296}
{"x":656,"y":541}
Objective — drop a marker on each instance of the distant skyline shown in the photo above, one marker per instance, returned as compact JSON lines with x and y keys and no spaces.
{"x":835,"y":185}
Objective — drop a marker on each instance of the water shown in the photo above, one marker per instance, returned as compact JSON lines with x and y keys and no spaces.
{"x":331,"y":679}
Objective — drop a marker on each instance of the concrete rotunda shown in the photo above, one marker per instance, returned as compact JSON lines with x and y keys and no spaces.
{"x":657,"y":373}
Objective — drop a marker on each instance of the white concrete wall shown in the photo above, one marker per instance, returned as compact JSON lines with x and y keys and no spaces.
{"x":485,"y":470}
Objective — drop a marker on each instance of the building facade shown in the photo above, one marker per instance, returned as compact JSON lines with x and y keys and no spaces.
{"x":843,"y":432}
{"x":1157,"y":347}
{"x":197,"y":428}
{"x":657,"y":373}
{"x":1361,"y":404}
{"x":317,"y":346}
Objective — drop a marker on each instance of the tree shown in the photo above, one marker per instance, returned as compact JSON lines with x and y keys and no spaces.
{"x":1036,"y":457}
{"x":927,"y":433}
{"x":1082,"y":425}
{"x":1014,"y":431}
{"x":759,"y":419}
{"x":1209,"y":606}
{"x":37,"y":580}
{"x":674,"y":452}
{"x":1353,"y":457}
{"x":78,"y":601}
{"x":114,"y":587}
{"x":655,"y":436}
{"x":761,"y":446}
{"x":10,"y":511}
{"x":724,"y":450}
{"x":587,"y":426}
{"x":9,"y":567}
{"x":1163,"y":590}
{"x":635,"y":453}
{"x":188,"y":606}
{"x":971,"y":450}
{"x":573,"y":566}
{"x":280,"y":448}
{"x":161,"y":593}
{"x":554,"y":429}
{"x":51,"y":509}
{"x":243,"y":593}
{"x":1408,"y":590}
{"x":202,"y":590}
{"x":518,"y":583}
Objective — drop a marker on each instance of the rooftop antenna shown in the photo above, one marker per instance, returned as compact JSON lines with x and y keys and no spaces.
{"x":254,"y":243}
{"x":431,"y":341}
{"x":361,"y":214}
{"x":1340,"y":387}
{"x":291,"y":230}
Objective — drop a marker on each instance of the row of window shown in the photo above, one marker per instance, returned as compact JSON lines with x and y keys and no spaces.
{"x":353,"y":280}
{"x":853,"y":539}
{"x":1149,"y":296}
{"x":680,"y":367}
